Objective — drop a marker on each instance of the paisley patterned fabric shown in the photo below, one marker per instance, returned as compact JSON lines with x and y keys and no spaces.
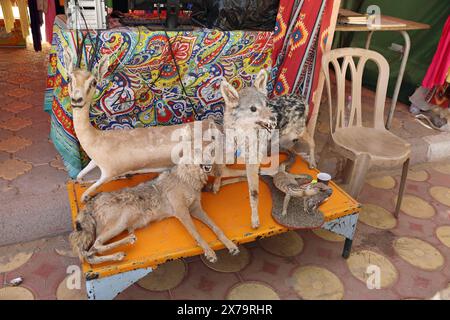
{"x":142,"y":87}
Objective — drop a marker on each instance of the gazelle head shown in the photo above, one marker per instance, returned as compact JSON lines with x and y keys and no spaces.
{"x":83,"y":83}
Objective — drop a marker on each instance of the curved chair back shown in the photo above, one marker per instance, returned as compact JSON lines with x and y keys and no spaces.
{"x":342,"y":59}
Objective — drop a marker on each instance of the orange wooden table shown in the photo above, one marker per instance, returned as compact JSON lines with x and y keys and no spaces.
{"x":169,"y":240}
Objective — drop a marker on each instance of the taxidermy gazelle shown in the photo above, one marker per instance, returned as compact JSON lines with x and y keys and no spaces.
{"x":248,"y":111}
{"x":116,"y":152}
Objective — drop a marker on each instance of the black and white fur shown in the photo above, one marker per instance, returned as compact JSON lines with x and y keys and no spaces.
{"x":292,"y":112}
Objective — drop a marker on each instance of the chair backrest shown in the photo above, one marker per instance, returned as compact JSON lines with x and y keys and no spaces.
{"x":347,"y":55}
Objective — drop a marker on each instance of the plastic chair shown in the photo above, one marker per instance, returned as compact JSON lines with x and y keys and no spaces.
{"x":364,"y":144}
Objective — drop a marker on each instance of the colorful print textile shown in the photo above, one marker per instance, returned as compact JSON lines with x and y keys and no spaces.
{"x":300,"y":37}
{"x":142,"y":86}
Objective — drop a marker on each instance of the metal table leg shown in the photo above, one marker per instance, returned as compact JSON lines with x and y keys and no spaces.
{"x":344,"y":226}
{"x":369,"y":38}
{"x":109,"y":287}
{"x":399,"y":78}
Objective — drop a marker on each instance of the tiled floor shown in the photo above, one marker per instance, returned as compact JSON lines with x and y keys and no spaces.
{"x":413,"y":253}
{"x":32,"y":179}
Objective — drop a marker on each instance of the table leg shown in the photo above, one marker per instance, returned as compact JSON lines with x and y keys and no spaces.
{"x":398,"y":84}
{"x":347,"y":248}
{"x":369,"y":39}
{"x":108,"y":288}
{"x":344,"y":226}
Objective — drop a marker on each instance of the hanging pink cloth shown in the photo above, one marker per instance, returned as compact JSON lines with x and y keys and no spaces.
{"x":438,"y":69}
{"x":49,"y":20}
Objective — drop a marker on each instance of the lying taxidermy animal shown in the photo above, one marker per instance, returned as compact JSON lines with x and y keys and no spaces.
{"x":292,"y":113}
{"x":175,"y":193}
{"x":299,"y":186}
{"x":116,"y":152}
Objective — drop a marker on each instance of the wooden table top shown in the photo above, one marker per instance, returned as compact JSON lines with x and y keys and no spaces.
{"x":404,"y":25}
{"x":230,"y":209}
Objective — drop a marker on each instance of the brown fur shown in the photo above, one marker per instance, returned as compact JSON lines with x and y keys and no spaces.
{"x":110,"y":150}
{"x":247,"y":110}
{"x":175,"y":193}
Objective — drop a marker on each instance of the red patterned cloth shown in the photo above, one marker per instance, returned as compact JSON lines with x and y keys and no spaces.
{"x":297,"y":55}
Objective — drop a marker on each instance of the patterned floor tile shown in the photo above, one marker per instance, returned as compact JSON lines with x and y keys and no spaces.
{"x":227,"y":262}
{"x":9,"y":262}
{"x":418,"y":176}
{"x":317,"y":283}
{"x":135,"y":292}
{"x":328,"y":235}
{"x":204,"y":283}
{"x":164,"y":277}
{"x":441,"y":194}
{"x":13,"y":168}
{"x":5,"y":115}
{"x":69,"y":289}
{"x":252,"y":290}
{"x":15,"y":124}
{"x":419,"y":253}
{"x":377,"y":217}
{"x":19,"y":92}
{"x":18,"y":80}
{"x":38,"y":153}
{"x":417,"y":207}
{"x":361,"y":263}
{"x":443,"y":234}
{"x":287,"y":244}
{"x":16,"y":293}
{"x":17,"y":106}
{"x":386,"y":182}
{"x":14,"y":144}
{"x":58,"y":163}
{"x":442,"y":168}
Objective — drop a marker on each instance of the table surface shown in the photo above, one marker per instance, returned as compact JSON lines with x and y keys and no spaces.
{"x":230,"y":210}
{"x":408,"y":25}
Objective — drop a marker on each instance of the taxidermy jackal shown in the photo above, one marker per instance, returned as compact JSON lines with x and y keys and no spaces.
{"x":175,"y":193}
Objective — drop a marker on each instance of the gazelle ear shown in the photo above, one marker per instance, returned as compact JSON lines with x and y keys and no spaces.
{"x":261,"y":82}
{"x":229,"y":93}
{"x":101,"y":68}
{"x":69,"y":60}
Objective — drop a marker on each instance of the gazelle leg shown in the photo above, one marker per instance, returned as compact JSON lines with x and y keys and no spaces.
{"x":253,"y":189}
{"x":90,"y":166}
{"x":198,"y":212}
{"x":92,"y":188}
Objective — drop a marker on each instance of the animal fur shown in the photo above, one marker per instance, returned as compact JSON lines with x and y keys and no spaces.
{"x":175,"y":193}
{"x":117,"y":152}
{"x":292,"y":113}
{"x":248,"y":111}
{"x":299,"y":186}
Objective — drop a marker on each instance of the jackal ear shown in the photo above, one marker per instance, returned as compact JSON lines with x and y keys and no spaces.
{"x":229,"y":93}
{"x":261,"y":82}
{"x":69,"y":60}
{"x":101,"y":68}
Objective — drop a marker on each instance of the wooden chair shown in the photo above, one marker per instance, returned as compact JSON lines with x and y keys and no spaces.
{"x":365,"y":145}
